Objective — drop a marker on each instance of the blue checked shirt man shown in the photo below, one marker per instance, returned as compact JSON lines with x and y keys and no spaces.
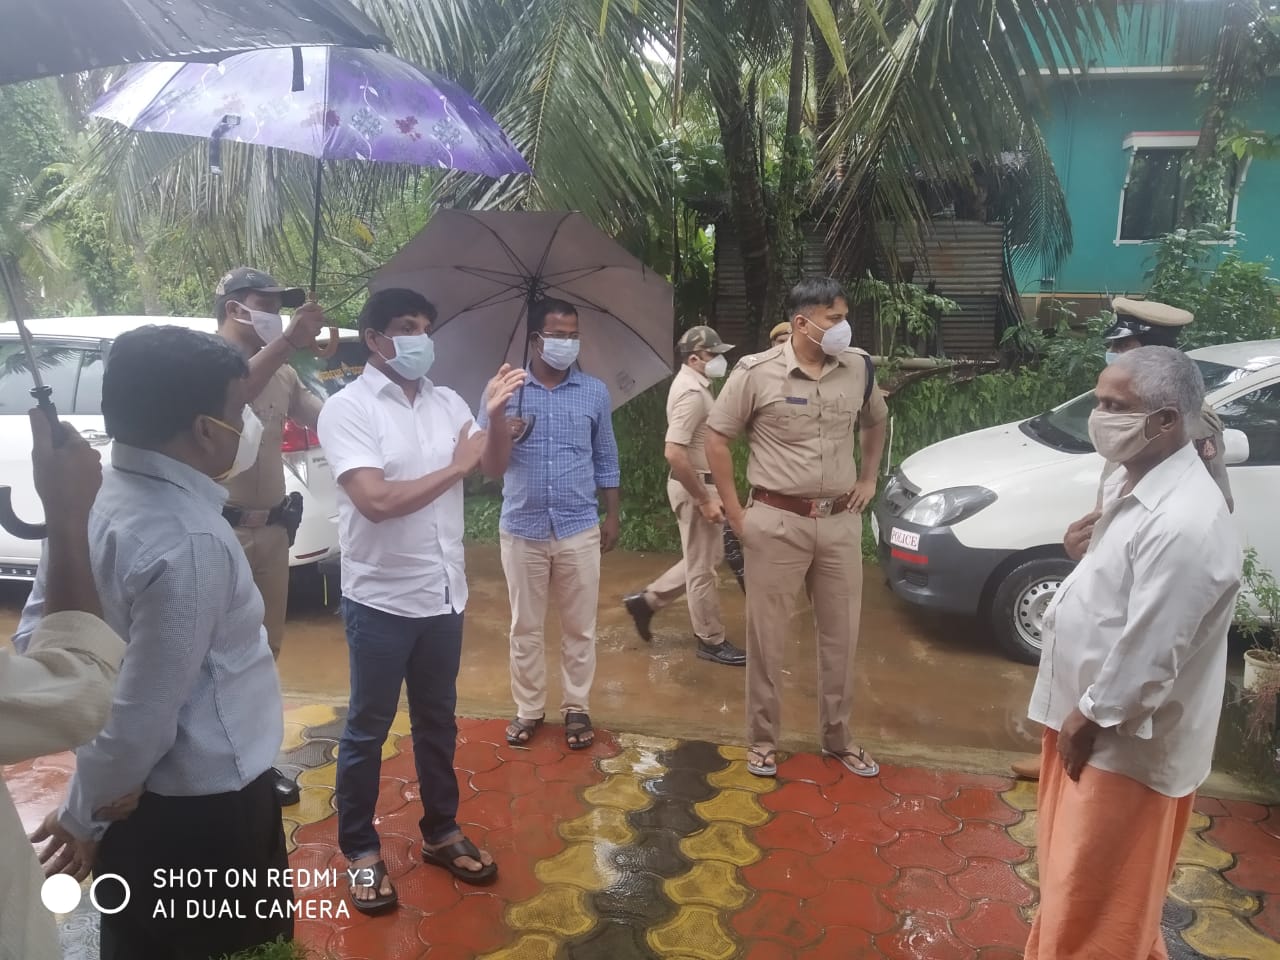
{"x":562,"y":456}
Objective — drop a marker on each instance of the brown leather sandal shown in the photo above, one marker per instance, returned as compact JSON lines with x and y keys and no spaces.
{"x":578,"y":732}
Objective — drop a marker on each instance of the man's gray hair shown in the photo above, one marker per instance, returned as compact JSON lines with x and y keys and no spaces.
{"x":1164,"y":379}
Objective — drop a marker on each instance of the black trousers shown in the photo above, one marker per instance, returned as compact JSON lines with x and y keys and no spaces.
{"x":199,"y":876}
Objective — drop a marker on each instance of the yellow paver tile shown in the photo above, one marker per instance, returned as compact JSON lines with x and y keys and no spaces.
{"x":312,"y":714}
{"x":582,"y":865}
{"x":1221,"y":934}
{"x":620,"y":791}
{"x":693,"y":932}
{"x":321,"y":776}
{"x":531,"y":947}
{"x":712,"y":883}
{"x":1024,"y":831}
{"x":736,"y":805}
{"x":1022,"y":797}
{"x":1196,"y":850}
{"x":600,"y":823}
{"x":293,"y":736}
{"x":736,"y":777}
{"x":558,"y":910}
{"x":721,"y":841}
{"x":1198,"y":886}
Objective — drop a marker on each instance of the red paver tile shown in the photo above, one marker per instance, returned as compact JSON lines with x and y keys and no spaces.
{"x":529,"y":840}
{"x":924,"y":891}
{"x":768,"y":950}
{"x":855,"y":860}
{"x":999,"y":953}
{"x":390,"y":796}
{"x":1256,"y":875}
{"x":405,"y":821}
{"x":569,"y":770}
{"x":844,"y":943}
{"x":799,"y":796}
{"x":922,"y":850}
{"x":915,"y":780}
{"x":476,"y":757}
{"x":855,"y":822}
{"x":993,"y":924}
{"x":773,"y":916}
{"x":792,"y":831}
{"x":322,"y":831}
{"x":310,"y":859}
{"x":551,"y":802}
{"x":490,"y":810}
{"x":1253,"y":812}
{"x":483,"y":731}
{"x":1243,"y":838}
{"x":1268,"y":920}
{"x":973,"y":804}
{"x":447,"y":951}
{"x":785,"y":871}
{"x":922,"y":937}
{"x":867,"y":791}
{"x":512,"y":778}
{"x":986,"y":879}
{"x":811,"y":768}
{"x":980,"y":839}
{"x":428,"y":889}
{"x":850,"y":904}
{"x":475,"y":924}
{"x":547,"y":746}
{"x":1210,"y":807}
{"x":316,"y":934}
{"x":1271,"y":825}
{"x":394,"y":934}
{"x":919,"y":813}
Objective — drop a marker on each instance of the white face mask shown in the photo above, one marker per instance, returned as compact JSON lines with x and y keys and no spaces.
{"x":1119,"y":437}
{"x":415,"y":354}
{"x":559,"y":354}
{"x":1112,"y":357}
{"x":835,"y":340}
{"x":717,"y":367}
{"x":247,"y":450}
{"x":268,"y":326}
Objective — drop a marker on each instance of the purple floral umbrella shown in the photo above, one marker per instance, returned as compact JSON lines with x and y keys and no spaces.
{"x":342,"y":104}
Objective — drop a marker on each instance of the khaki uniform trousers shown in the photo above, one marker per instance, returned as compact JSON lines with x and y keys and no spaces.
{"x":568,"y":571}
{"x":783,"y":553}
{"x":695,"y":574}
{"x":268,"y":551}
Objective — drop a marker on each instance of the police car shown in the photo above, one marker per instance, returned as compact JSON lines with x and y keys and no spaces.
{"x":70,"y":352}
{"x":974,"y":525}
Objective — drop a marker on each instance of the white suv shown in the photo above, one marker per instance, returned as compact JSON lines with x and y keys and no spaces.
{"x":70,"y":353}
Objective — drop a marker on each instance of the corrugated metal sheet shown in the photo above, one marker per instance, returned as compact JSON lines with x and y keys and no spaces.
{"x":729,"y":309}
{"x":964,"y":258}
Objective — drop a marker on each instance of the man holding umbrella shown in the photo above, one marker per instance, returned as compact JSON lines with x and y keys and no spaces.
{"x":247,"y":304}
{"x":695,"y":501}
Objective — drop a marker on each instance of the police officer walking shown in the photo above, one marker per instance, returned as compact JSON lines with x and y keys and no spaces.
{"x":247,"y":305}
{"x":695,"y":502}
{"x":799,"y":405}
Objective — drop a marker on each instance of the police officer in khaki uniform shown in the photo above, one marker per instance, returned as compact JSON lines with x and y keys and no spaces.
{"x":247,"y":305}
{"x":780,"y":334}
{"x":799,"y":405}
{"x":695,"y":502}
{"x":1143,"y":323}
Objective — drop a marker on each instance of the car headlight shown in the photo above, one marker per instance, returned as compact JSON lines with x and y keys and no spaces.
{"x":948,"y":506}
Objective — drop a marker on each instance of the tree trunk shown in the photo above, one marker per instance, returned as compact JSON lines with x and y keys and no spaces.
{"x":790,"y":206}
{"x":15,"y":290}
{"x":828,"y":90}
{"x":746,"y":190}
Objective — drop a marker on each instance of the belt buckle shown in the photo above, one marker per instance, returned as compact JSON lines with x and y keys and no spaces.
{"x":821,"y":508}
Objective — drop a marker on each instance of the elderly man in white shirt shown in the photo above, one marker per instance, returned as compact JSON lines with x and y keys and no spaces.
{"x":400,"y":447}
{"x":56,"y":695}
{"x":1131,"y":679}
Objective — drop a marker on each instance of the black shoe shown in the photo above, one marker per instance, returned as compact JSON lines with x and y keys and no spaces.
{"x":725,"y":653}
{"x":286,"y":790}
{"x":641,"y":614}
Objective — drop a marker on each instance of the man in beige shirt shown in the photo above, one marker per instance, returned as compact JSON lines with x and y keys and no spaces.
{"x":247,"y":304}
{"x":55,"y":695}
{"x":695,"y":502}
{"x":799,"y":405}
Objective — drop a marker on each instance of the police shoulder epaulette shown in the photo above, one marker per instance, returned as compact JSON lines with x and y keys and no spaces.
{"x":755,"y":359}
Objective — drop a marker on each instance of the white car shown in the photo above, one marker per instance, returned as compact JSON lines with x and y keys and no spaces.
{"x":974,"y":525}
{"x":70,"y":353}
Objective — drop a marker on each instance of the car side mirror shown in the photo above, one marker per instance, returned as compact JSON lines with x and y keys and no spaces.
{"x":1235,"y":445}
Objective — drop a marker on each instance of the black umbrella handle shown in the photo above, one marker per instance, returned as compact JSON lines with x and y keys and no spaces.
{"x":12,"y":524}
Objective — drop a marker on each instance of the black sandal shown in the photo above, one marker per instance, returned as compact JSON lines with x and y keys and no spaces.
{"x":446,"y":855}
{"x":578,"y":726}
{"x":521,"y":731}
{"x":379,"y":903}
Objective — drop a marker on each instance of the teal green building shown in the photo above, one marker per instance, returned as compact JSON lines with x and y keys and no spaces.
{"x":1120,"y":129}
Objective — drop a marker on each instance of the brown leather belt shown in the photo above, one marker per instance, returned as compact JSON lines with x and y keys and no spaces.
{"x":704,"y":477}
{"x":824,"y":507}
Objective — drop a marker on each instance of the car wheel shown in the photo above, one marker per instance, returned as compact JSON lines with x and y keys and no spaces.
{"x":1019,"y":604}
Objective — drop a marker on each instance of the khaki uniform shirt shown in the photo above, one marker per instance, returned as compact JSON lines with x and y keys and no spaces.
{"x":1208,"y":427}
{"x":689,"y":404}
{"x":801,"y":430}
{"x":261,"y":487}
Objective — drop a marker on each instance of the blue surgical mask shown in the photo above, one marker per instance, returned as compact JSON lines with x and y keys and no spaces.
{"x":414,"y":355}
{"x":1112,"y":356}
{"x":558,"y":353}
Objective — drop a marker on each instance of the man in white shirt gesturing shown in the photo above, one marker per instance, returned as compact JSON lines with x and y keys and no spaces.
{"x":400,"y":447}
{"x":1131,"y":679}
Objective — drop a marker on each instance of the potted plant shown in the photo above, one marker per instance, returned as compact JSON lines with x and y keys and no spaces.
{"x":1257,"y":619}
{"x":279,"y":950}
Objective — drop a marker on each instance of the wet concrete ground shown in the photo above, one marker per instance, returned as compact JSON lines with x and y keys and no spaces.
{"x":931,"y":690}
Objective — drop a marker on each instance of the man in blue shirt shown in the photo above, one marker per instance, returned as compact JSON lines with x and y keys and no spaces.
{"x":552,"y":537}
{"x":196,"y":718}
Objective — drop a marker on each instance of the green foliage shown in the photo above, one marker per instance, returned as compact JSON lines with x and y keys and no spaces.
{"x":1258,"y":605}
{"x":901,"y":308}
{"x":279,"y":950}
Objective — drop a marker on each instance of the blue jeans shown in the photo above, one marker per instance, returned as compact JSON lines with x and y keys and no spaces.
{"x":386,"y":652}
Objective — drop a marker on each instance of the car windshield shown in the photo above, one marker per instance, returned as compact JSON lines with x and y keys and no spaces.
{"x":326,"y":376}
{"x":1067,"y":427}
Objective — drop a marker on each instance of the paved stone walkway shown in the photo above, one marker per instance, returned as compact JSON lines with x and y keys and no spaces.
{"x":641,"y":847}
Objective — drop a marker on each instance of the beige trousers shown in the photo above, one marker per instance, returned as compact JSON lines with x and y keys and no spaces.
{"x":695,"y":574}
{"x":783,"y":553}
{"x":268,"y":551}
{"x":569,"y":572}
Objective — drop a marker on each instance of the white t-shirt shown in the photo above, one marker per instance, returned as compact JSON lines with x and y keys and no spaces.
{"x":411,"y":566}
